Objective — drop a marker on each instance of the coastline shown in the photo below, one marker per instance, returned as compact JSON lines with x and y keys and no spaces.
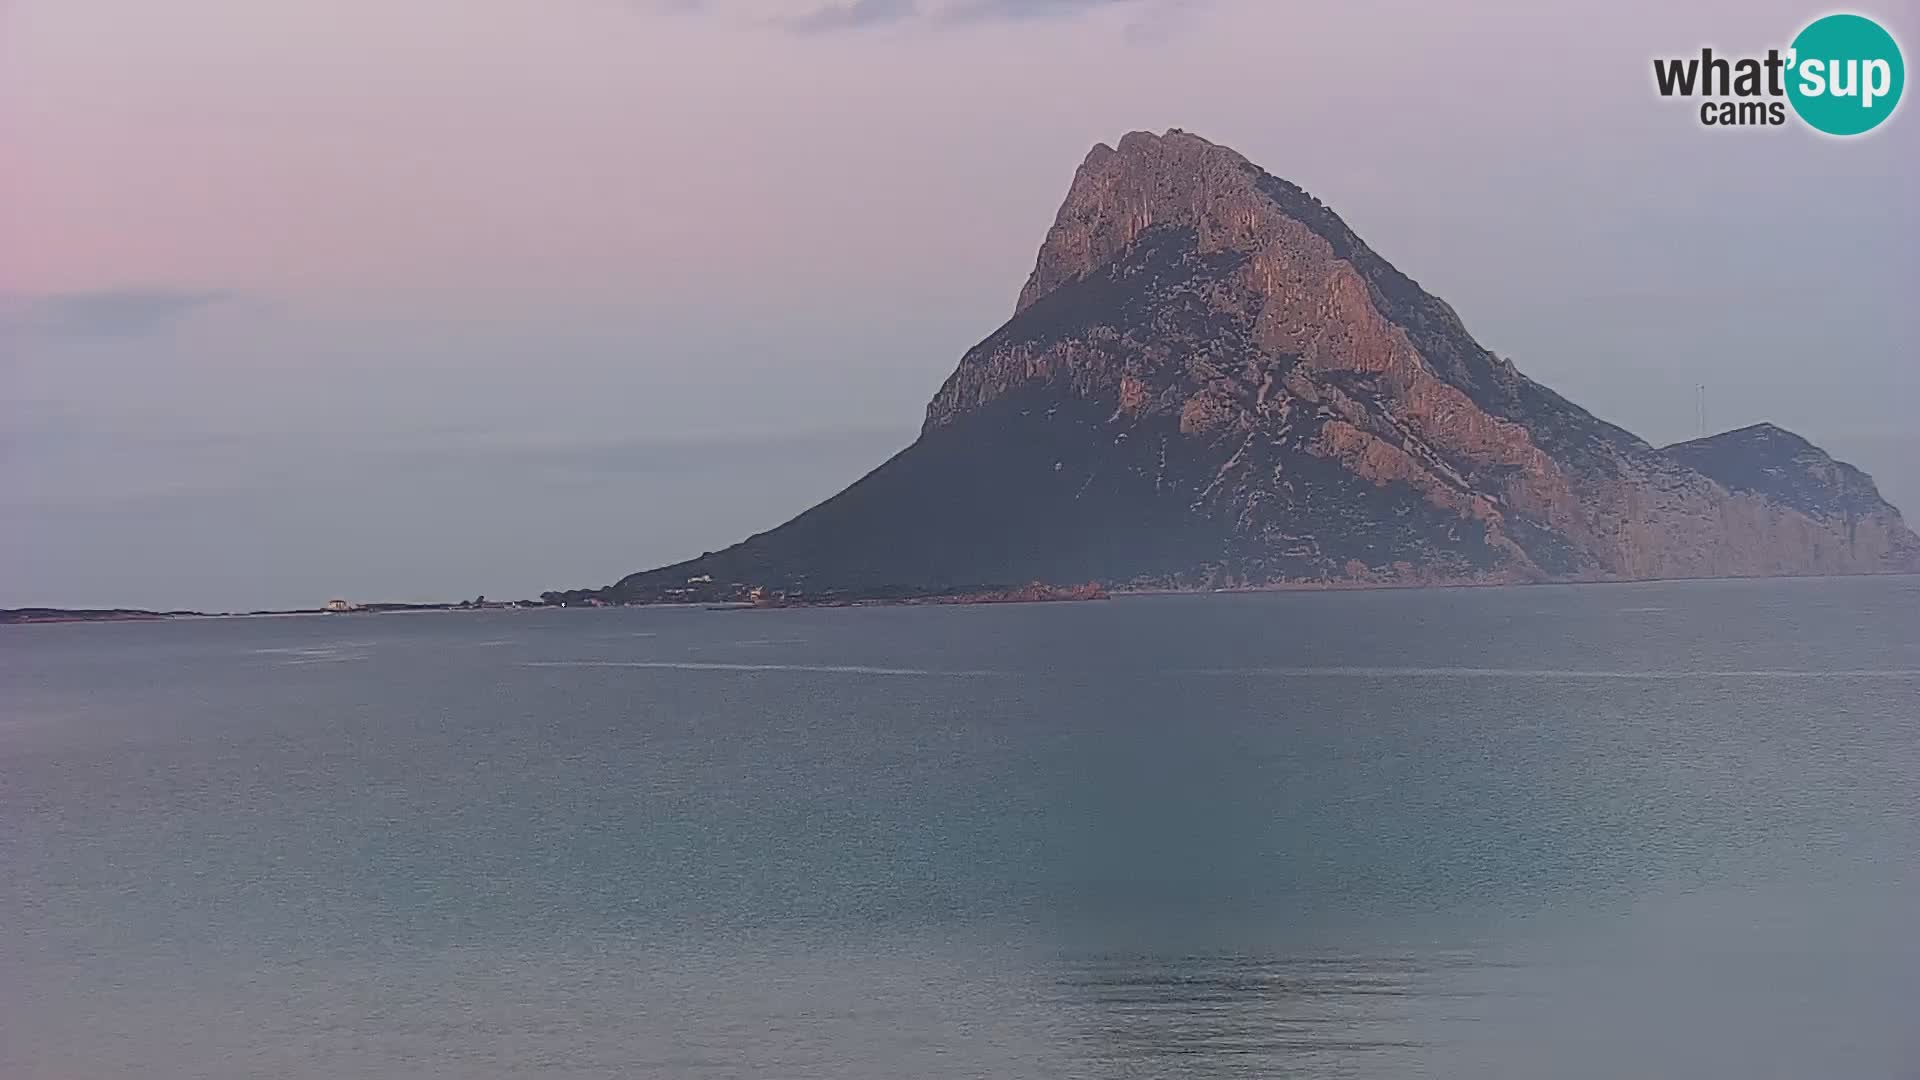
{"x":37,"y":616}
{"x":1478,"y":583}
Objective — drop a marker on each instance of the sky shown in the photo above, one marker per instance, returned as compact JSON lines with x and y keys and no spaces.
{"x":428,"y":299}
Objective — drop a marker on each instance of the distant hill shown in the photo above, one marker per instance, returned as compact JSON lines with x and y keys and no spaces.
{"x":46,"y":615}
{"x":1209,"y":380}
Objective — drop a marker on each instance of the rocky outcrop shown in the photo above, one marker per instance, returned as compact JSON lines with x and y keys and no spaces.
{"x":1210,"y":380}
{"x":1778,"y":465}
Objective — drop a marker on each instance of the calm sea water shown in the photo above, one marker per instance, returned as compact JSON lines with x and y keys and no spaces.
{"x":1604,"y":831}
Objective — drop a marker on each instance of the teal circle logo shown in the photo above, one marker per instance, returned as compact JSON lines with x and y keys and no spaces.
{"x":1845,"y":74}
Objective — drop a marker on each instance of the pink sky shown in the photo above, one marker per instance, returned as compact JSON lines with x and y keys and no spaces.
{"x":589,"y":221}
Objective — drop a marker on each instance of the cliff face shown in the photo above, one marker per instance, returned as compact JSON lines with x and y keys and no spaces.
{"x":1208,"y":379}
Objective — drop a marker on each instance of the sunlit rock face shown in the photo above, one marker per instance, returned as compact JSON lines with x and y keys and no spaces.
{"x":1209,"y":380}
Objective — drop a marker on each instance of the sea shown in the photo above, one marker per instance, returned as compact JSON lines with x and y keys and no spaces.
{"x":1636,"y":830}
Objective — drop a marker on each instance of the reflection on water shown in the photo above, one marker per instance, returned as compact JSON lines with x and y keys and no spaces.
{"x":1656,"y":830}
{"x":1199,"y":1012}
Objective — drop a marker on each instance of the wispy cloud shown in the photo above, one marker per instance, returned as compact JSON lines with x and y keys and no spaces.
{"x":840,"y":15}
{"x":852,"y":15}
{"x":985,"y":10}
{"x":104,"y":313}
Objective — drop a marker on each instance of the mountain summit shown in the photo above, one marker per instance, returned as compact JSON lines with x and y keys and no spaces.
{"x":1209,"y":380}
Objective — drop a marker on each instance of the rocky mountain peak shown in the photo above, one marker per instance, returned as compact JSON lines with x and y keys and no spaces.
{"x":1776,"y":464}
{"x":1210,"y":380}
{"x":1175,"y":179}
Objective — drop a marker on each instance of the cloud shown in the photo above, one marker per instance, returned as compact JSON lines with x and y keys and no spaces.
{"x":987,"y":10}
{"x":851,"y":15}
{"x":104,"y":313}
{"x":863,"y":14}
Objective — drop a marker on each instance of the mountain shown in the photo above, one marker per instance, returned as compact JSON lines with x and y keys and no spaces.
{"x":1778,"y":465}
{"x":1210,"y":380}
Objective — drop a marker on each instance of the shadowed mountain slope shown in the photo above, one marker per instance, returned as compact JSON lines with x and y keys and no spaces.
{"x":1210,"y":380}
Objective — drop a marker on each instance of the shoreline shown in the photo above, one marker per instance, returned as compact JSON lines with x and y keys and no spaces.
{"x":68,"y":616}
{"x":41,"y":616}
{"x":1381,"y":586}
